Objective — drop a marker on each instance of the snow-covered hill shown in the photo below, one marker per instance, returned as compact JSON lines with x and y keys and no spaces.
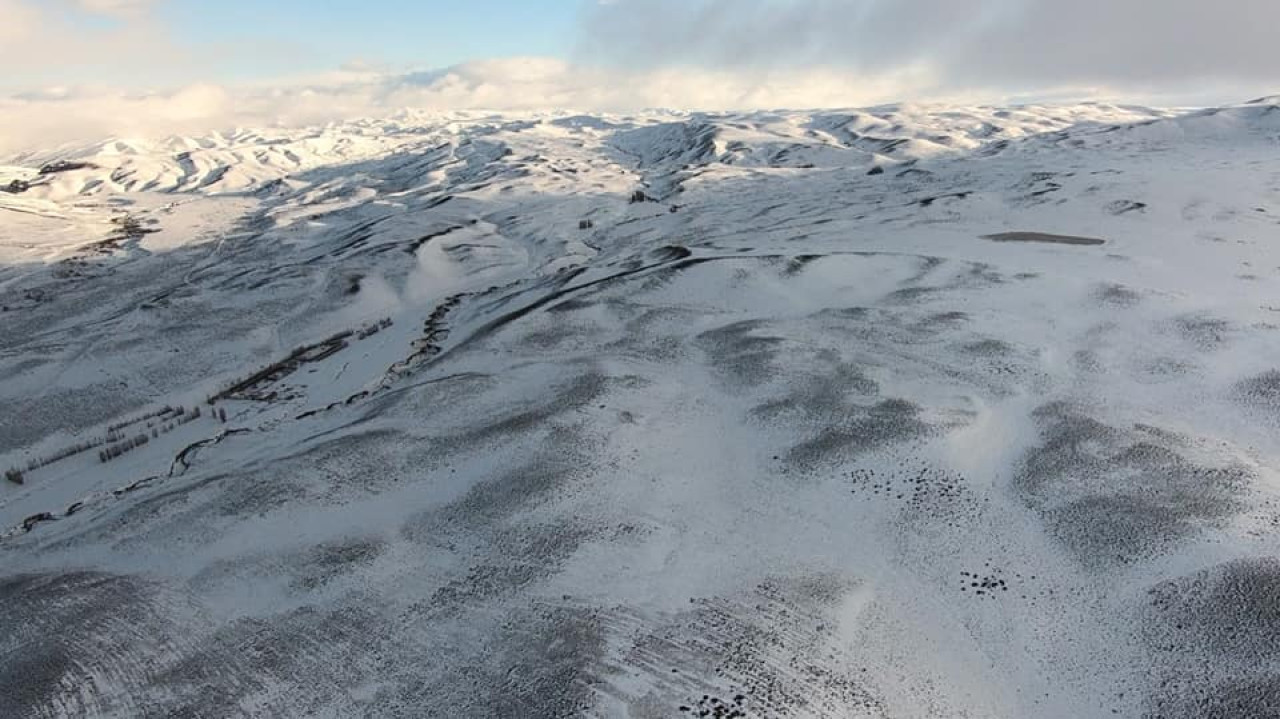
{"x":892,"y":412}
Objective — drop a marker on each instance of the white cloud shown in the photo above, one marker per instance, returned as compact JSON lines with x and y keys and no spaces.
{"x":64,"y":114}
{"x":117,"y":8}
{"x":1004,"y":44}
{"x":46,"y":39}
{"x":685,"y":54}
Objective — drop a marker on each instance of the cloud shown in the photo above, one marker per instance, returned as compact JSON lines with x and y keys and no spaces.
{"x":635,"y":54}
{"x":64,"y":114}
{"x":117,"y":8}
{"x":50,"y":41}
{"x":1002,"y":44}
{"x":542,"y":83}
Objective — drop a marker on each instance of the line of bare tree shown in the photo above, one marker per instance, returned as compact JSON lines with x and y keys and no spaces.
{"x":115,"y":442}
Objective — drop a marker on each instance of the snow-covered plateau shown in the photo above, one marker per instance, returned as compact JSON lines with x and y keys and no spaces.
{"x":908,"y":411}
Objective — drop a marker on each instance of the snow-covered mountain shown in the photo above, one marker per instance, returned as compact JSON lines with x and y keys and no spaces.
{"x":893,"y":412}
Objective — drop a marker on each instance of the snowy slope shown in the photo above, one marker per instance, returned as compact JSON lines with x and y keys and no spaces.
{"x":892,"y":412}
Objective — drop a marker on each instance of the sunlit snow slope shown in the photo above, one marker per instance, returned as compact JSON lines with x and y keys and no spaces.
{"x":896,"y":412}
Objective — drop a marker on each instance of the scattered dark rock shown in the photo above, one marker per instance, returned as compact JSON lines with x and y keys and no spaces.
{"x":66,"y":166}
{"x":30,"y":522}
{"x":928,"y":201}
{"x":717,"y":708}
{"x":988,"y":585}
{"x":1121,"y":207}
{"x":671,"y":253}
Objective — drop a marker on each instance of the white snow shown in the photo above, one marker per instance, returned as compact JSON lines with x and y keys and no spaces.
{"x":767,"y":432}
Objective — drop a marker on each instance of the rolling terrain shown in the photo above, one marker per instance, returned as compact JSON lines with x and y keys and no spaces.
{"x":895,"y":412}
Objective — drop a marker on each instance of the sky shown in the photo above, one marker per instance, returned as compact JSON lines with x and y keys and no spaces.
{"x":83,"y":67}
{"x":245,"y":40}
{"x":148,"y":43}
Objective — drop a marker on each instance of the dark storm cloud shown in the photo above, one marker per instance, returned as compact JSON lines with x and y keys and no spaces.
{"x":969,"y":43}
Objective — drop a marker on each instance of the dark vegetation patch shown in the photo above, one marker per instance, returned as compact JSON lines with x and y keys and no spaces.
{"x":320,"y":655}
{"x":557,"y":404}
{"x":1158,"y":369}
{"x":515,"y":560}
{"x":350,"y":465}
{"x":864,"y":429}
{"x":821,"y":396}
{"x":1261,"y":391}
{"x":765,"y":654}
{"x":325,"y":562}
{"x":944,"y":320}
{"x":1215,"y":635}
{"x":308,"y":569}
{"x":498,"y":498}
{"x":1087,"y":361}
{"x":71,"y":409}
{"x":1113,"y":496}
{"x":1228,"y":612}
{"x":988,"y":348}
{"x":1117,"y":295}
{"x":246,"y":497}
{"x":1189,"y":698}
{"x":259,"y":385}
{"x":1043,"y":237}
{"x":540,"y":661}
{"x":656,"y":333}
{"x":558,"y":335}
{"x":62,"y":634}
{"x":910,"y":295}
{"x":563,"y":456}
{"x":1203,"y":331}
{"x":740,"y":354}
